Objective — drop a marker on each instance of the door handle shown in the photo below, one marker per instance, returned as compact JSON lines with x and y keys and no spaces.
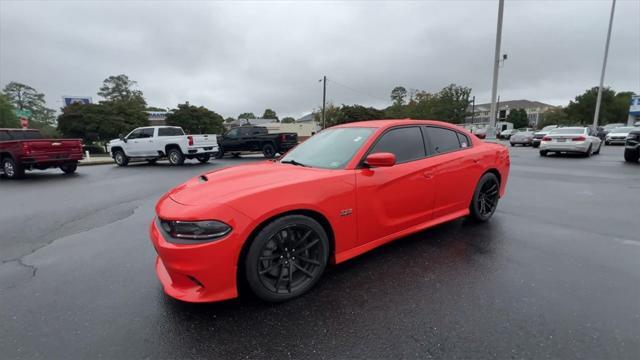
{"x":428,"y":175}
{"x":476,"y":161}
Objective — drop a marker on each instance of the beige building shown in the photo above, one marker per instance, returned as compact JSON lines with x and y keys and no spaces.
{"x":535,"y":111}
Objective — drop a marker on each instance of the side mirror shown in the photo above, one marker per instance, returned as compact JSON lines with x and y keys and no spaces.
{"x":122,"y":138}
{"x":381,"y":159}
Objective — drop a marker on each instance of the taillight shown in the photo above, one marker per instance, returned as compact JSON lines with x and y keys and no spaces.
{"x":579,"y":138}
{"x":190,"y":138}
{"x":25,"y":148}
{"x":546,"y":138}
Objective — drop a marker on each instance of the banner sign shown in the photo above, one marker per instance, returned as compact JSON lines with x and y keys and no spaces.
{"x":22,"y":113}
{"x":68,"y":100}
{"x":634,"y":108}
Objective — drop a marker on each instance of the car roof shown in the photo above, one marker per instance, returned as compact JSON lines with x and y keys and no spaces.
{"x":395,"y":122}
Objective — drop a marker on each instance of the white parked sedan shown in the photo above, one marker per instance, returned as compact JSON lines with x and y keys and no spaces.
{"x":618,"y":135}
{"x":571,"y":140}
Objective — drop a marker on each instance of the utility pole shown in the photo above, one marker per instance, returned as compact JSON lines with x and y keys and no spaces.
{"x":324,"y":100}
{"x":491,"y":131}
{"x":473,"y":109}
{"x":604,"y":66}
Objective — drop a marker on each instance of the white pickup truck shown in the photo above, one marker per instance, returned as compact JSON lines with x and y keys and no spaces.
{"x":152,"y":143}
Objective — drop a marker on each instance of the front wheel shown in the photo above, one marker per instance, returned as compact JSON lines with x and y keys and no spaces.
{"x":485,"y":198}
{"x":120,"y":158}
{"x":11,"y":169}
{"x":631,"y":155}
{"x":69,"y":168}
{"x":268,"y":151}
{"x":204,"y":158}
{"x":219,"y":154}
{"x":286,"y":258}
{"x":543,"y":153}
{"x":175,"y":157}
{"x":535,"y":145}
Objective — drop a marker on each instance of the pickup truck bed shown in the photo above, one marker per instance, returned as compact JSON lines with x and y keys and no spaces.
{"x":22,"y":150}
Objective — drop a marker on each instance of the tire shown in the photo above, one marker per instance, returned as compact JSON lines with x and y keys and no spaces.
{"x":543,"y":153}
{"x":535,"y":146}
{"x":275,"y":271}
{"x":512,"y":144}
{"x":12,"y":170}
{"x":120,"y":158}
{"x":597,"y":152}
{"x":175,"y":156}
{"x":269,"y":151}
{"x":607,"y":143}
{"x":204,"y":158}
{"x":219,"y":154}
{"x":152,"y":161}
{"x":589,"y":151}
{"x":485,"y":198}
{"x":69,"y":168}
{"x":631,"y":155}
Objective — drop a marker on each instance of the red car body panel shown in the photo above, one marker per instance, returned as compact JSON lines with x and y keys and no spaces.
{"x":363,"y":207}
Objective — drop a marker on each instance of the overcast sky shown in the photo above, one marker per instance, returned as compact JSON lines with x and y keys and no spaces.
{"x":234,"y":57}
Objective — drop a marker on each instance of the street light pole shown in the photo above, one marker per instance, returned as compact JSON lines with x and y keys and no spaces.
{"x":324,"y":100}
{"x":473,"y":109}
{"x":604,"y":66}
{"x":491,"y":131}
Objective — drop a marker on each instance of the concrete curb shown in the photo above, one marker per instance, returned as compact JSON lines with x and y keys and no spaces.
{"x":96,"y":161}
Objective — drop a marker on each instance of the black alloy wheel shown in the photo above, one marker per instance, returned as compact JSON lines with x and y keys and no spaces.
{"x":287,"y":258}
{"x":268,"y":151}
{"x":485,"y":198}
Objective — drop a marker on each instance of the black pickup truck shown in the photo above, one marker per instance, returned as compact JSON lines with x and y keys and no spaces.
{"x":632,"y":146}
{"x":255,"y":138}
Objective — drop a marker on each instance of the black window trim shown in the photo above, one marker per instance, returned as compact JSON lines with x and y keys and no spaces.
{"x":431,"y":152}
{"x":362,"y":165}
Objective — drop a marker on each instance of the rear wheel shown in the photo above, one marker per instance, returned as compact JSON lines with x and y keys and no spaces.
{"x":11,"y":169}
{"x":286,"y":258}
{"x":69,"y":168}
{"x":120,"y":158}
{"x":543,"y":152}
{"x":485,"y":198}
{"x":597,"y":152}
{"x":268,"y":151}
{"x":589,"y":151}
{"x":175,"y":156}
{"x":219,"y":154}
{"x":631,"y":155}
{"x":204,"y":158}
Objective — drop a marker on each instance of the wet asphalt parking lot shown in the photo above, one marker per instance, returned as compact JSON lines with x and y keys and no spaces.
{"x":555,"y":274}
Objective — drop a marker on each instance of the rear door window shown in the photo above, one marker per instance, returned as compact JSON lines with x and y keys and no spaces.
{"x":406,"y":143}
{"x":146,"y":133}
{"x":4,"y":136}
{"x":443,"y":140}
{"x":170,"y":131}
{"x":25,"y":134}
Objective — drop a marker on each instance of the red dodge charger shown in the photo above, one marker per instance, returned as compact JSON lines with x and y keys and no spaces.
{"x":348,"y":189}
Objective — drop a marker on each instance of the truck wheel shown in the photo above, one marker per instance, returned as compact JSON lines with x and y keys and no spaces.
{"x":268,"y":151}
{"x":69,"y":168}
{"x":219,"y":154}
{"x":175,"y":156}
{"x":120,"y":158}
{"x":204,"y":158}
{"x":631,"y":155}
{"x":12,"y":170}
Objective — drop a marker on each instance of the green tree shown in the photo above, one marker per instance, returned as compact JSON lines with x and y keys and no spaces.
{"x":196,"y":119}
{"x":451,"y":103}
{"x":247,"y":115}
{"x":8,"y":118}
{"x":24,"y":97}
{"x":518,"y":117}
{"x":398,"y":95}
{"x":120,"y":88}
{"x":270,"y":114}
{"x":229,"y":120}
{"x":614,"y":107}
{"x":555,"y":116}
{"x":154,"y":108}
{"x":288,"y":120}
{"x":347,"y":113}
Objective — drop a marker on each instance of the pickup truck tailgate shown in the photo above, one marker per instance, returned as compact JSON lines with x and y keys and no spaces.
{"x":205,"y":140}
{"x":52,"y":149}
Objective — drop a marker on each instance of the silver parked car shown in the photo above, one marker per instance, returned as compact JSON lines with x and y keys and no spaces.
{"x":538,"y":135}
{"x":579,"y":140}
{"x":618,"y":135}
{"x":522,"y":138}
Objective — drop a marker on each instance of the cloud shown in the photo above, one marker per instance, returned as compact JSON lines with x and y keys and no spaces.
{"x":247,"y":56}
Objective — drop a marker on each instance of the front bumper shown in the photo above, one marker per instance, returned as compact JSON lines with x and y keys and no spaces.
{"x":207,"y":150}
{"x":520,"y":141}
{"x":616,"y":141}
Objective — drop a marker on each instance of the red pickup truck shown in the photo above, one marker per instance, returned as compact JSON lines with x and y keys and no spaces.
{"x":25,"y":149}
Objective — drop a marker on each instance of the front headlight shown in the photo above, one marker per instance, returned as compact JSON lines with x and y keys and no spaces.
{"x":195,"y":230}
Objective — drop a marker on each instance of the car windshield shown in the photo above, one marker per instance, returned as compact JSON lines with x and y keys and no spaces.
{"x":547,"y":128}
{"x":564,"y":131}
{"x":623,"y":129}
{"x":329,"y":149}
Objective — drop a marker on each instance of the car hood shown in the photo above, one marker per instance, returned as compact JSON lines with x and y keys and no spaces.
{"x":221,"y":186}
{"x":618,"y":134}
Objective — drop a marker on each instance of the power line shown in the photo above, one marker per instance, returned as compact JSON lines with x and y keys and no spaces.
{"x":356,"y":90}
